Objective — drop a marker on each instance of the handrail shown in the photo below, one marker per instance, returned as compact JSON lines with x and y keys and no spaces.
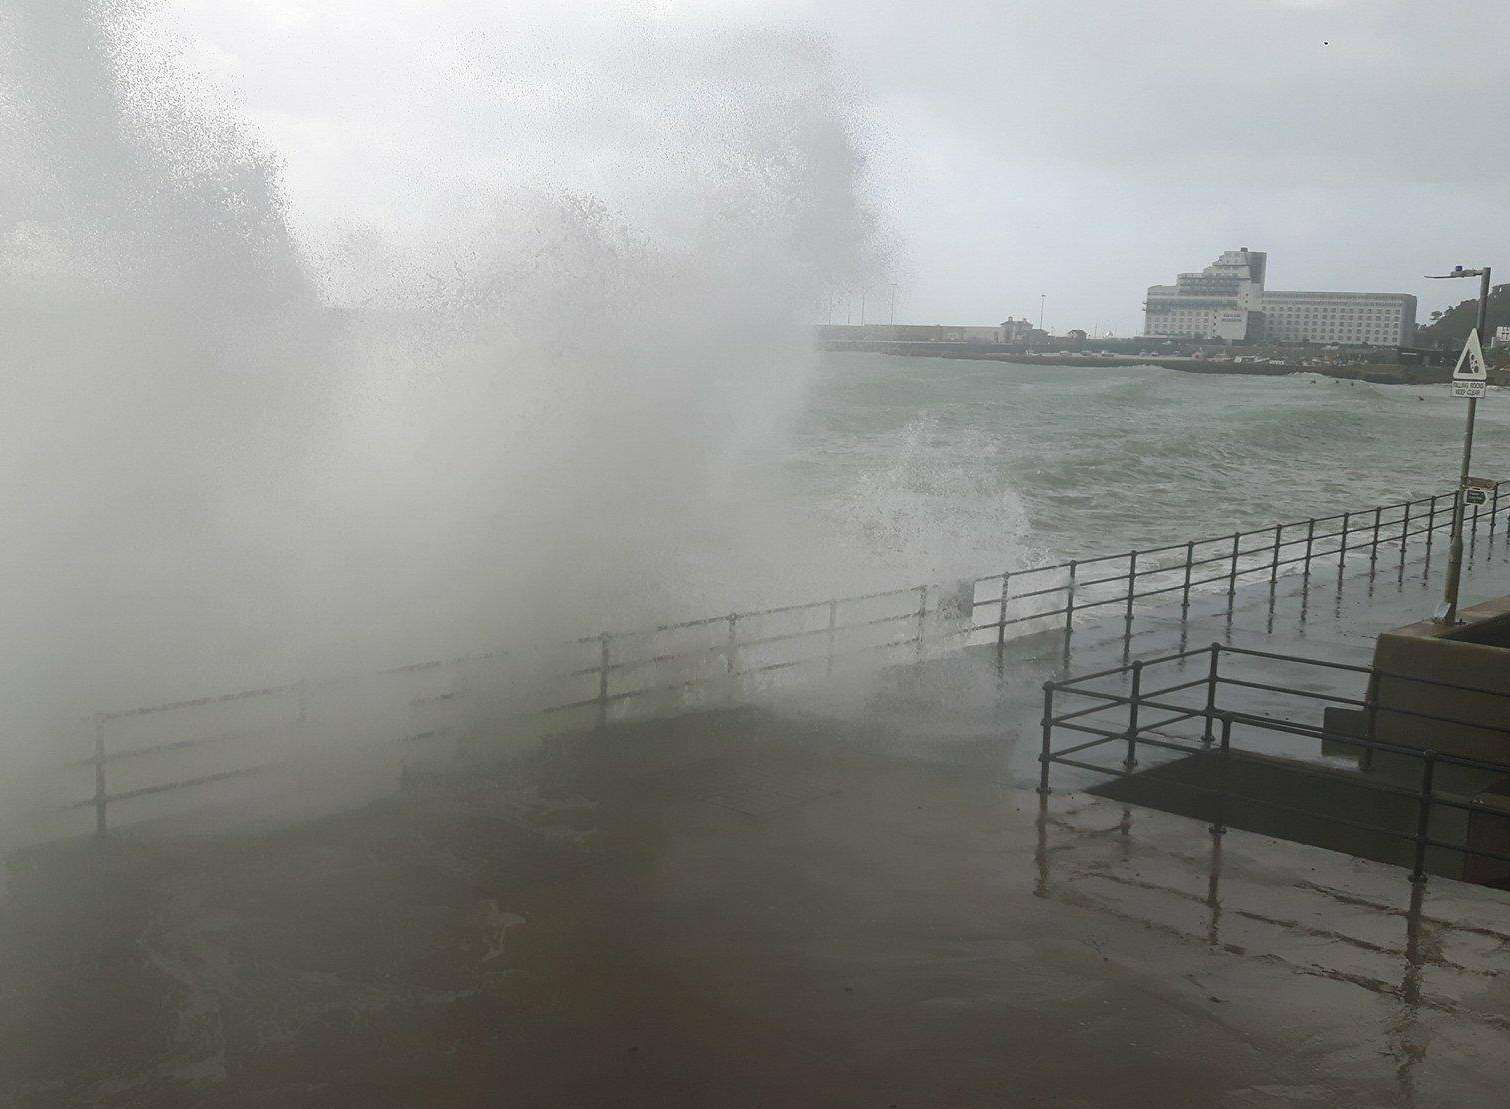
{"x":615,"y":655}
{"x":1132,"y":734}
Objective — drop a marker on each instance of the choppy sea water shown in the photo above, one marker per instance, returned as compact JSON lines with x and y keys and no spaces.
{"x":954,"y":466}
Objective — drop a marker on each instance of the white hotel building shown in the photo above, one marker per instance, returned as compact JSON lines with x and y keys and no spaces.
{"x":1227,"y":300}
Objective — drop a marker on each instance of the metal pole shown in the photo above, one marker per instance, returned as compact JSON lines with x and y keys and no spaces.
{"x":1132,"y":716}
{"x":1371,"y":719}
{"x":1423,"y":817}
{"x":731,"y":656}
{"x":1069,"y":606}
{"x":1132,"y":587}
{"x":1274,"y":562}
{"x":1048,"y":737}
{"x":1494,"y":508}
{"x":1001,"y":624}
{"x":923,"y":620}
{"x":101,"y":799}
{"x":1310,"y":540}
{"x":1209,"y":736}
{"x":1373,"y":550}
{"x":603,"y":680}
{"x":1448,"y":613}
{"x":1404,"y":529}
{"x":833,"y":624}
{"x":1347,"y":518}
{"x":1189,"y":561}
{"x":1232,"y":574}
{"x":1431,"y":522}
{"x":1221,"y":776}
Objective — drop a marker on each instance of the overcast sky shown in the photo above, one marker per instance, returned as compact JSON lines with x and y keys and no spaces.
{"x":1082,"y":149}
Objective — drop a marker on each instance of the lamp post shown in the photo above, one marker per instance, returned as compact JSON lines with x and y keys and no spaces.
{"x":1448,"y":612}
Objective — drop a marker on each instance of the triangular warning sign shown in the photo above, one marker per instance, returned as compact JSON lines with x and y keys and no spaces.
{"x":1470,"y":365}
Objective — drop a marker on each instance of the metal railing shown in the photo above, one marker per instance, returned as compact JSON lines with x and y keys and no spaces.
{"x":1117,"y":582}
{"x":1147,"y":715}
{"x":720,"y":660}
{"x":730,"y":654}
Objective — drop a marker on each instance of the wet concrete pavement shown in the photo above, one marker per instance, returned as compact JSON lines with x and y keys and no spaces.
{"x":756,"y":908}
{"x":785,"y":921}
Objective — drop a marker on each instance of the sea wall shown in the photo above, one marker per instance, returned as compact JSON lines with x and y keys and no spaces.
{"x":1378,"y":372}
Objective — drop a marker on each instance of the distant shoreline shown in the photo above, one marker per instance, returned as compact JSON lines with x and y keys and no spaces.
{"x":1376,"y":373}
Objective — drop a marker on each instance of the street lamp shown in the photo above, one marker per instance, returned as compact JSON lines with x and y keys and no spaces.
{"x":1448,"y":613}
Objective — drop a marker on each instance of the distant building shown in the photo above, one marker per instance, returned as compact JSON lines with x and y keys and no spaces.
{"x":1017,"y":331}
{"x":1223,"y":301}
{"x":1375,"y":319}
{"x":1227,"y":300}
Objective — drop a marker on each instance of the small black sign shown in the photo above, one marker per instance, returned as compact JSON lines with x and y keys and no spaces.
{"x":1475,"y":496}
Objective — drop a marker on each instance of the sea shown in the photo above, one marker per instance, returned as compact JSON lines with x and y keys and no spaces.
{"x":957,"y":467}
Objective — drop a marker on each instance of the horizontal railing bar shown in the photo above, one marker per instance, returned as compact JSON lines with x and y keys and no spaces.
{"x":1464,"y":849}
{"x":1168,"y":689}
{"x":1088,"y":744}
{"x":1500,"y":729}
{"x":1023,"y":596}
{"x":1225,"y":680}
{"x":187,"y":783}
{"x":198,"y":702}
{"x":1227,"y":648}
{"x":1178,"y":718}
{"x":1037,"y":616}
{"x":1091,"y":729}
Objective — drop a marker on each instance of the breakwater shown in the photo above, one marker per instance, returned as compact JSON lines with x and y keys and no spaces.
{"x":1379,"y":373}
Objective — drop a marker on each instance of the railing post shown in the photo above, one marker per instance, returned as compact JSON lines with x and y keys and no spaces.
{"x":1371,"y":720}
{"x":1431,"y":522}
{"x":1423,"y":815}
{"x":1347,"y":518}
{"x":1048,"y":738}
{"x":1404,"y":529}
{"x":101,"y":798}
{"x":833,"y":624}
{"x":1494,"y":508}
{"x":1208,"y":737}
{"x":1223,"y":757}
{"x":1310,"y":541}
{"x":1373,"y":549}
{"x":1474,"y":527}
{"x":923,"y":620}
{"x":603,"y":664}
{"x":1132,"y":716}
{"x":1232,"y":573}
{"x":1189,"y":563}
{"x":731,"y":657}
{"x":1001,"y":620}
{"x":1069,"y":606}
{"x":1132,"y":587}
{"x":1274,"y":562}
